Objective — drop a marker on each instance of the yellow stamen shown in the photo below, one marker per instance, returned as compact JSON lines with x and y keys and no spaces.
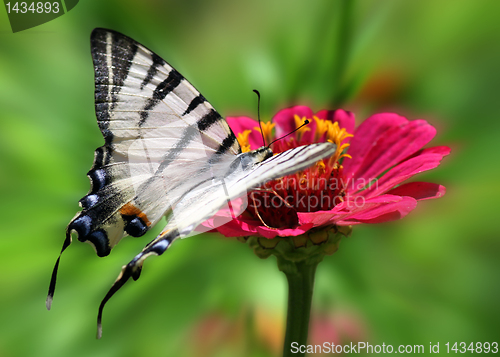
{"x":243,"y":140}
{"x":267,"y":130}
{"x":321,"y":128}
{"x":336,"y":135}
{"x":298,"y":122}
{"x":321,"y":167}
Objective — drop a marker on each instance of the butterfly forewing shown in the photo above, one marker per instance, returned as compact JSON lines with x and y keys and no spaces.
{"x":157,"y":128}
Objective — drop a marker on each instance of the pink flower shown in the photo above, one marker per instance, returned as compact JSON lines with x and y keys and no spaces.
{"x":361,"y":183}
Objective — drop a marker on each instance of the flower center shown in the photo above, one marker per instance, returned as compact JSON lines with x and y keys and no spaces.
{"x":318,"y":188}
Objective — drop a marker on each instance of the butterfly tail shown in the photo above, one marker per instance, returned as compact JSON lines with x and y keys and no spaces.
{"x":133,"y":269}
{"x":52,"y":286}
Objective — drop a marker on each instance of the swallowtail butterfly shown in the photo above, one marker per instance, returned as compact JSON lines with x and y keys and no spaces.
{"x":167,"y":152}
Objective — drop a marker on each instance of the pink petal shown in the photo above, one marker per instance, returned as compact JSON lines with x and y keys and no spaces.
{"x":402,"y":172}
{"x":344,"y":118}
{"x":393,"y":208}
{"x":419,"y":190}
{"x":442,"y":150}
{"x":394,"y":145}
{"x":240,"y":124}
{"x":366,"y":136}
{"x":353,"y":205}
{"x":285,"y":122}
{"x":237,"y":228}
{"x":241,"y":227}
{"x":283,"y":232}
{"x":318,"y":218}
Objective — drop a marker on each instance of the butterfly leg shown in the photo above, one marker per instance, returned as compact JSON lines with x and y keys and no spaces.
{"x":270,"y":190}
{"x":133,"y":269}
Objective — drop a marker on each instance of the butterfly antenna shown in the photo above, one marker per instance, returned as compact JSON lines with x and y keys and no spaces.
{"x":284,"y":136}
{"x":258,"y":115}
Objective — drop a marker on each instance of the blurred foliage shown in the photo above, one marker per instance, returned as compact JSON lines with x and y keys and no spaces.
{"x":432,"y":277}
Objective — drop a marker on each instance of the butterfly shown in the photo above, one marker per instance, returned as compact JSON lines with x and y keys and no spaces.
{"x":167,"y":153}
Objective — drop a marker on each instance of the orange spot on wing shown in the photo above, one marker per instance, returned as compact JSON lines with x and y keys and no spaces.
{"x":130,"y":210}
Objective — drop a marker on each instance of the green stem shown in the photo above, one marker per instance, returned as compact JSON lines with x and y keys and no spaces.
{"x":300,"y":276}
{"x":343,"y":51}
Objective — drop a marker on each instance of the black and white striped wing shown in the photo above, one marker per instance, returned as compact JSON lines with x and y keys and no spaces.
{"x":159,"y":131}
{"x":161,"y":137}
{"x":167,"y":152}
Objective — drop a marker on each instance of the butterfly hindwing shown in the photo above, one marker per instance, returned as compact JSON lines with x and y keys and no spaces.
{"x":204,"y":201}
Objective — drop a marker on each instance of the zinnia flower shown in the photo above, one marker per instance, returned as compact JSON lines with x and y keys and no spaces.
{"x":361,"y":183}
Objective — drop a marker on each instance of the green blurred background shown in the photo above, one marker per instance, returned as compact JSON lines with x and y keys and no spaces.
{"x":431,"y":277}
